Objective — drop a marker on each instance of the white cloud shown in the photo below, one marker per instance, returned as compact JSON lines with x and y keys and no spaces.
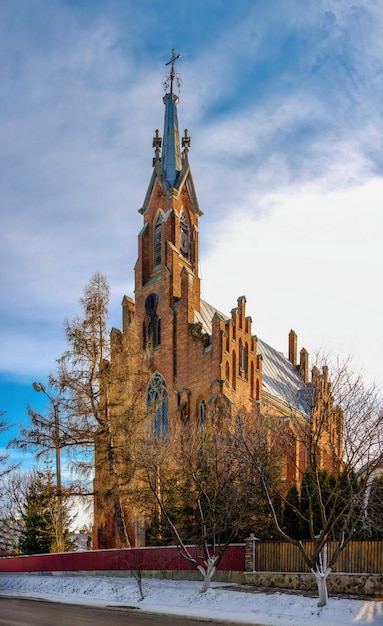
{"x":283,"y":107}
{"x":312,"y":263}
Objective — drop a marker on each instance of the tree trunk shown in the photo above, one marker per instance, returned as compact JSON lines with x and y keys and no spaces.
{"x":321,"y":580}
{"x":321,"y":573}
{"x":207,"y":573}
{"x":138,"y":577}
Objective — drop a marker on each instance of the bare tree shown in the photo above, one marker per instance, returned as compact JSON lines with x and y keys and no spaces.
{"x":83,"y":368}
{"x":5,"y":466}
{"x":50,"y":435}
{"x":78,"y":412}
{"x":122,"y":401}
{"x":346,"y":421}
{"x":7,"y":471}
{"x":202,"y":470}
{"x":13,"y":498}
{"x":14,"y":488}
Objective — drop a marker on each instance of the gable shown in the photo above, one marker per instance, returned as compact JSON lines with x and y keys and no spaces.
{"x":280,"y":378}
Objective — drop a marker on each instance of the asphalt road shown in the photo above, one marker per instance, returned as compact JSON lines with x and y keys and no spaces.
{"x":25,"y":612}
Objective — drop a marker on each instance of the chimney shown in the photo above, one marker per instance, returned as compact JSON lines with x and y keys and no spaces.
{"x":304,"y":365}
{"x":293,"y":341}
{"x":127,"y":312}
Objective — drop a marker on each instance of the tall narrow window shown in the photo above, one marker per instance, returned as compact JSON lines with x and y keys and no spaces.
{"x":157,"y":403}
{"x":240,"y":351}
{"x":227,"y":338}
{"x":156,"y":332}
{"x":185,"y":235}
{"x":152,"y":327}
{"x":157,"y":239}
{"x":202,"y":413}
{"x":234,"y":370}
{"x":152,"y":333}
{"x":227,"y":373}
{"x":243,"y":359}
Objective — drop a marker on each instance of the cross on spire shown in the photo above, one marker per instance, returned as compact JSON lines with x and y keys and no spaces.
{"x":172,"y":74}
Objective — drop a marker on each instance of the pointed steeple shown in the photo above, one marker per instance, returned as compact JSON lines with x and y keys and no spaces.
{"x":171,"y":167}
{"x":171,"y":149}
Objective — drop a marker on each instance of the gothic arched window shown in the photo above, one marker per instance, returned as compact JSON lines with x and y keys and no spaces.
{"x":152,"y":324}
{"x":227,"y":373}
{"x":157,"y":403}
{"x":202,"y":412}
{"x":243,"y":359}
{"x":234,"y":370}
{"x":227,"y":339}
{"x":157,"y":239}
{"x":185,"y":235}
{"x":152,"y":333}
{"x":257,"y":390}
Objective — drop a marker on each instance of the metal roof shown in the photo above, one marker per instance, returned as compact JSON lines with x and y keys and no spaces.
{"x":280,"y":378}
{"x":171,"y":153}
{"x":205,"y":316}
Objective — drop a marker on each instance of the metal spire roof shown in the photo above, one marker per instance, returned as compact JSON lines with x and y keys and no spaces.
{"x":171,"y":150}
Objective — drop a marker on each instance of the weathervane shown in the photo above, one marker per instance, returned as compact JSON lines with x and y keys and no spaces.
{"x":172,"y":76}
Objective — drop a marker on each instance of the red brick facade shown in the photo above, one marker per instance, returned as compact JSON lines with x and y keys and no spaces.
{"x":198,"y":357}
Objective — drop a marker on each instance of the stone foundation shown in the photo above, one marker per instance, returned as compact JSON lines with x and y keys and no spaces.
{"x":353,"y":584}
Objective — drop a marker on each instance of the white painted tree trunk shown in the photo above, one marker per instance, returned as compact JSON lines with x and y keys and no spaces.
{"x":207,"y":573}
{"x":321,"y":580}
{"x":321,"y":574}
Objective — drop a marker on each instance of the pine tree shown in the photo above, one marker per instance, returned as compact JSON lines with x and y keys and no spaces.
{"x":40,"y":517}
{"x":292,"y":521}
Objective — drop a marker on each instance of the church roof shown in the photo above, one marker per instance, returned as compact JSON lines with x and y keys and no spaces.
{"x":170,"y":164}
{"x":205,"y":316}
{"x":280,"y":378}
{"x":171,"y":151}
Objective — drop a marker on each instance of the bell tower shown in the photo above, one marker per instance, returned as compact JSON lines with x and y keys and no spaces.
{"x":168,"y":241}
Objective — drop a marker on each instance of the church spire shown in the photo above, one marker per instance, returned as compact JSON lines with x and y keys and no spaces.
{"x":171,"y":150}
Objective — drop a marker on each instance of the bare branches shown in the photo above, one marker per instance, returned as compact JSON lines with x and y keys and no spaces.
{"x":202,"y":488}
{"x":341,"y":446}
{"x":83,"y":368}
{"x":5,"y":466}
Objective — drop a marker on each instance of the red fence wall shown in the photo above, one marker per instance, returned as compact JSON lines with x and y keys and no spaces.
{"x":161,"y":558}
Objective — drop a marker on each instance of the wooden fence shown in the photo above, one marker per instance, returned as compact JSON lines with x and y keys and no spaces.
{"x":357,"y":557}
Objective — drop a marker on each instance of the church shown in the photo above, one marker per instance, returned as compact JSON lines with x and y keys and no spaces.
{"x":195,"y":357}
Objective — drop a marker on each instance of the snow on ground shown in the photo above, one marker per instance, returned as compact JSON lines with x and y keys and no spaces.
{"x":223,"y":603}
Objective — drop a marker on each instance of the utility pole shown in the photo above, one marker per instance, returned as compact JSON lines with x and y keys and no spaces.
{"x":56,"y":438}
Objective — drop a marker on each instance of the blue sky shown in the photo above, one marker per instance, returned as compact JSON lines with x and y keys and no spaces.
{"x":282,"y":100}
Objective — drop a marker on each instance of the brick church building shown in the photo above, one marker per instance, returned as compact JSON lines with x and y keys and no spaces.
{"x":196,"y":357}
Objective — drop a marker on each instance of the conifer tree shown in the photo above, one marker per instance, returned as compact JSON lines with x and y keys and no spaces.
{"x":39,"y":516}
{"x":83,"y":367}
{"x":292,"y":520}
{"x":99,"y":399}
{"x":80,"y":402}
